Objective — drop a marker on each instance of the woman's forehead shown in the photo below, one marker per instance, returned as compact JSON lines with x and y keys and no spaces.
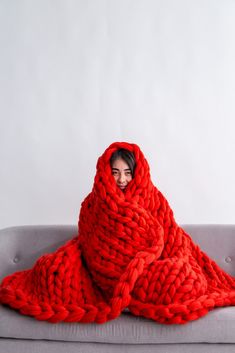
{"x":120,"y":164}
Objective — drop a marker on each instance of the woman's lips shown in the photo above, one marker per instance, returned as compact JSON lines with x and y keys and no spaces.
{"x":122,"y":186}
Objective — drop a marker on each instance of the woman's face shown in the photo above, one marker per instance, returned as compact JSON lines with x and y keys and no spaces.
{"x":121,"y":173}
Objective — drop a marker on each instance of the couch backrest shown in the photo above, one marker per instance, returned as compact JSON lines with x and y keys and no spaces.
{"x":21,"y":246}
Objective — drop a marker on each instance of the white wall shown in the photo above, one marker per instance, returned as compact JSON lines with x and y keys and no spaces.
{"x":76,"y":76}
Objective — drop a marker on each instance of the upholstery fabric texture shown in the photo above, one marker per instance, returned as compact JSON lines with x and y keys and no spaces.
{"x":129,"y":253}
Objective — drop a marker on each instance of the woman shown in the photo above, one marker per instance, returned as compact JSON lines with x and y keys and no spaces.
{"x":129,"y":253}
{"x":123,"y":165}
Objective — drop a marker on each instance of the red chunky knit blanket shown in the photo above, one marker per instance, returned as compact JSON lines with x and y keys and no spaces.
{"x":129,"y":253}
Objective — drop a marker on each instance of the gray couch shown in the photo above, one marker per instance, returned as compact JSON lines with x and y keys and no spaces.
{"x":215,"y":332}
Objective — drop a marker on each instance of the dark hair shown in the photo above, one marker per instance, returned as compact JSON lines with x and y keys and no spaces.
{"x":128,"y":157}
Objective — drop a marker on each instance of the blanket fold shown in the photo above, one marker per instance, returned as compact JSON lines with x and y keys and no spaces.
{"x":129,"y":253}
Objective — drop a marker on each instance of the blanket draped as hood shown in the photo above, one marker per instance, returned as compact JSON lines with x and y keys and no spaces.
{"x":129,"y":253}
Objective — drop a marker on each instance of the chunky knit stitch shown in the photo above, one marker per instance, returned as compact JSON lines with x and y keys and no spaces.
{"x":129,"y":253}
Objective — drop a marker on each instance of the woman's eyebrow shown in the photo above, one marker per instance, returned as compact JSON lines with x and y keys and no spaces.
{"x":119,"y":169}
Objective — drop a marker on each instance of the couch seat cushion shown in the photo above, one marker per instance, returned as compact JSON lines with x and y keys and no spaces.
{"x":218,"y":326}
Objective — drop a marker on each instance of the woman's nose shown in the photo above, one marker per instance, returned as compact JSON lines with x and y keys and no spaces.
{"x":121,"y":178}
